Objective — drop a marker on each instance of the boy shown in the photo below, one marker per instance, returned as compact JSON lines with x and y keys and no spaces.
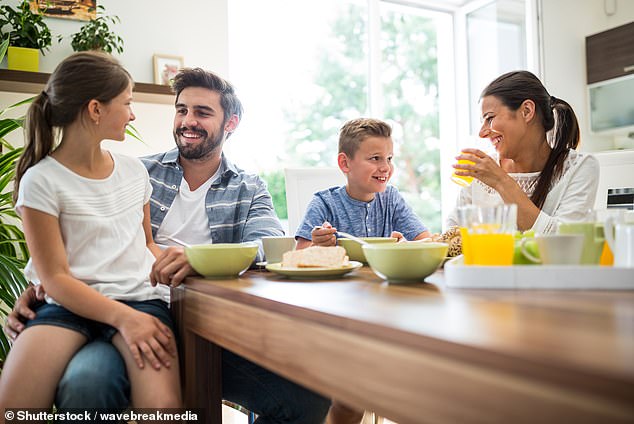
{"x":366,"y":206}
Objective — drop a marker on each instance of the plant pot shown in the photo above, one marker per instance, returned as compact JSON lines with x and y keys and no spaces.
{"x":23,"y":59}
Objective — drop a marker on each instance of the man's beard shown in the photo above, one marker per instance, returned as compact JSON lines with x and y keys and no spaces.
{"x":201,"y":150}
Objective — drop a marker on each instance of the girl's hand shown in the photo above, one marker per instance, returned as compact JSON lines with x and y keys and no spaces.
{"x":324,"y":235}
{"x":148,"y":339}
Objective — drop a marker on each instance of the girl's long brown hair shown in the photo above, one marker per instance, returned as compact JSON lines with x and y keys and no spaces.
{"x":512,"y":89}
{"x":76,"y":81}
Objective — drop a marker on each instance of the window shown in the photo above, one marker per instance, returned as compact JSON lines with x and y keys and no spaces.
{"x":304,"y":67}
{"x":315,"y":64}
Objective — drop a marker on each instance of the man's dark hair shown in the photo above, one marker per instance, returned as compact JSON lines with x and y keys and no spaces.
{"x":197,"y":77}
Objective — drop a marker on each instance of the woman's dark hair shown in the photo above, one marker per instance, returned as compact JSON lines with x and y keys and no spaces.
{"x":512,"y":89}
{"x":76,"y":81}
{"x":197,"y":77}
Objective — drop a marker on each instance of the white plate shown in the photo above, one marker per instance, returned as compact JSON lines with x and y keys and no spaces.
{"x":314,"y":272}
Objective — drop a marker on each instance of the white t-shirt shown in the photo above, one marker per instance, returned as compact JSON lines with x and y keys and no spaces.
{"x":569,"y":198}
{"x":101,"y":222}
{"x":187,"y":218}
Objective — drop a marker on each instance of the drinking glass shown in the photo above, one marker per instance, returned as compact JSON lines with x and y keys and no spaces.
{"x":488,"y":234}
{"x":462,"y":180}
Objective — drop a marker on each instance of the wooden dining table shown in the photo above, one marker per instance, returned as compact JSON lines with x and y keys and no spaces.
{"x":419,"y":352}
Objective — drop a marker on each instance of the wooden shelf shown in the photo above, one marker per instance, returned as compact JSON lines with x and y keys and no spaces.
{"x":33,"y":83}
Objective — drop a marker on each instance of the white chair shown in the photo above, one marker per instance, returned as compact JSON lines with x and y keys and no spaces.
{"x":301,"y":184}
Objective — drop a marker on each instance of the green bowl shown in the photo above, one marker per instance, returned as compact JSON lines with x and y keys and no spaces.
{"x":221,"y":259}
{"x":405,"y":262}
{"x":353,"y":249}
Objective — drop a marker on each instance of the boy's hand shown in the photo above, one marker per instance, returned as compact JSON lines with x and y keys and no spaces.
{"x":398,"y":236}
{"x":324,"y":235}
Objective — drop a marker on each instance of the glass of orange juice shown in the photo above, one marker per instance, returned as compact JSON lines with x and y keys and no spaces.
{"x":488,"y":234}
{"x":462,"y":180}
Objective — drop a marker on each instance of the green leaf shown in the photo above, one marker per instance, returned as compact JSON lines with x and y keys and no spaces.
{"x":3,"y":47}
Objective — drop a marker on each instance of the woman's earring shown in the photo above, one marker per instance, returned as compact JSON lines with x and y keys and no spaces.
{"x":96,"y":121}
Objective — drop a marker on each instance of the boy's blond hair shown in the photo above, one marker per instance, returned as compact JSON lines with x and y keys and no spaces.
{"x":355,"y":131}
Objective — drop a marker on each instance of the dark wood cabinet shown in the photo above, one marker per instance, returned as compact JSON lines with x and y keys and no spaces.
{"x":610,"y":54}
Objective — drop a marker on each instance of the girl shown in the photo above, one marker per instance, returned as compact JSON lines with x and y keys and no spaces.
{"x":86,"y":219}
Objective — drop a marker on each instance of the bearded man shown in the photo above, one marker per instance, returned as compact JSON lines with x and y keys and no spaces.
{"x":199,"y":197}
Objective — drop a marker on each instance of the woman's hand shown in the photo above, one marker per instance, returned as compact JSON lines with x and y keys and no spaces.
{"x":148,"y":339}
{"x":484,"y":167}
{"x":324,"y":235}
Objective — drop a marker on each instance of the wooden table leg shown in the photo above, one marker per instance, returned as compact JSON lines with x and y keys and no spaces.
{"x":203,"y":376}
{"x":201,"y":366}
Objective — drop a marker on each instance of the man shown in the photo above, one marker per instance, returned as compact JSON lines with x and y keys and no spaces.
{"x":199,"y":197}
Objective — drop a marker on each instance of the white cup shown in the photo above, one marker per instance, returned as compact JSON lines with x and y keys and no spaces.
{"x":556,"y":249}
{"x":276,"y":246}
{"x":620,"y":238}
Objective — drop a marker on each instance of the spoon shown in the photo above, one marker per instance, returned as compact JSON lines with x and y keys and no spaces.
{"x":351,"y":237}
{"x":177,"y":241}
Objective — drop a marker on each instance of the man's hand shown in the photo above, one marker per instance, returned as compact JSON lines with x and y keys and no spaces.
{"x":171,"y":267}
{"x":22,"y":311}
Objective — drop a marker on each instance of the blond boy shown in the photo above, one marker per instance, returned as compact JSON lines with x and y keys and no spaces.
{"x":367,"y":206}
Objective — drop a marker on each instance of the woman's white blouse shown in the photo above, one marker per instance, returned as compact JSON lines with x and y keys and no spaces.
{"x":569,"y":198}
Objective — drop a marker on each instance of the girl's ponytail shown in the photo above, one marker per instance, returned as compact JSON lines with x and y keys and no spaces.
{"x":39,"y":137}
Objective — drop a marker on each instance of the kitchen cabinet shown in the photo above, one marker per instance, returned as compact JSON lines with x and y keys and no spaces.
{"x":610,"y":54}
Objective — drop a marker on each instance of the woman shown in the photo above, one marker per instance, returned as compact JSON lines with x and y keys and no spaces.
{"x":535,"y":136}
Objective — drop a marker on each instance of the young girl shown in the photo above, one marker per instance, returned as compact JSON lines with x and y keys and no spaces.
{"x":86,"y":219}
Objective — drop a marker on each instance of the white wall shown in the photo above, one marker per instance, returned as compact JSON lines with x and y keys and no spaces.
{"x":565,"y":25}
{"x":193,"y":29}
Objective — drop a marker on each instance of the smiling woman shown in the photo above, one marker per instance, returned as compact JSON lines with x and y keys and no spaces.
{"x":535,"y":136}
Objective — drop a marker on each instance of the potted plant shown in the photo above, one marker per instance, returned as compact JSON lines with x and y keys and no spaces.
{"x":27,"y":33}
{"x":13,"y":250}
{"x":96,"y":34}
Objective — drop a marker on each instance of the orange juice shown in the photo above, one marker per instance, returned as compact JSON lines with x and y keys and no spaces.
{"x":466,"y":247}
{"x":607,"y":258}
{"x":462,"y":180}
{"x":487,"y":249}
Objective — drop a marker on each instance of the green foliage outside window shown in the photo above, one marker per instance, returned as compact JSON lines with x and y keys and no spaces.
{"x":410,"y":102}
{"x":277,"y":187}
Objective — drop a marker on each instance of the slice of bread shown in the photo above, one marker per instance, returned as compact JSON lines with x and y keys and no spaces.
{"x":316,"y":256}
